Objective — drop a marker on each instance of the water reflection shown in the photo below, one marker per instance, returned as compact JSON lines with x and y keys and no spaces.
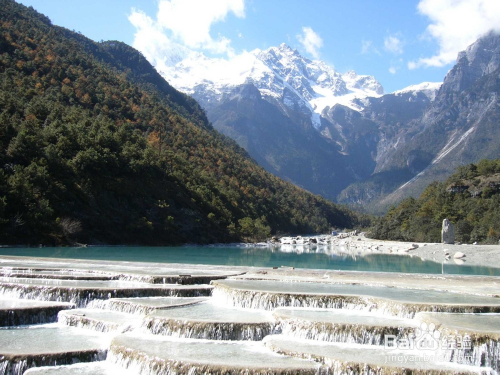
{"x":298,"y":256}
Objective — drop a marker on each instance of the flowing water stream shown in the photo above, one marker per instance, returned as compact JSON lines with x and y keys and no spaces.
{"x":127,"y":321}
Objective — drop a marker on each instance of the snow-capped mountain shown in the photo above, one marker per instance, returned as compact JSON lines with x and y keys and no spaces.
{"x":429,"y":89}
{"x":337,"y":134}
{"x":281,"y":74}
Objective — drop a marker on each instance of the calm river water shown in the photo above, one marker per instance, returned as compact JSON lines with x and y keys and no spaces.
{"x":256,"y":256}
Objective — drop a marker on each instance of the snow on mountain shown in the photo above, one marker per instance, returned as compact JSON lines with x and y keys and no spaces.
{"x":280,"y":73}
{"x":429,"y":89}
{"x":367,"y":84}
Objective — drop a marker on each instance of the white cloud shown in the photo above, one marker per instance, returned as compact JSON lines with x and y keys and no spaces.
{"x":149,"y":39}
{"x":311,"y":41}
{"x":396,"y":65}
{"x":394,"y":44}
{"x":187,"y":22}
{"x":455,"y":24}
{"x":412,"y":65}
{"x":368,"y":47}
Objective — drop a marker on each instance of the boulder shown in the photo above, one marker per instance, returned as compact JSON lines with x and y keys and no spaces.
{"x":459,"y":255}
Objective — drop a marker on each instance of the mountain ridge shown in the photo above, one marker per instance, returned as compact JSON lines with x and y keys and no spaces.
{"x":278,"y":72}
{"x":95,"y":147}
{"x":461,"y":125}
{"x":410,"y":136}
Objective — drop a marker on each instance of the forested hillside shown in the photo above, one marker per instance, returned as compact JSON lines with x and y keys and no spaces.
{"x":470,"y":198}
{"x":95,"y":147}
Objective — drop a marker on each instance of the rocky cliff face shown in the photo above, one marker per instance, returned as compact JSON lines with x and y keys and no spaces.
{"x":395,"y":117}
{"x":460,"y":126}
{"x":283,"y":143}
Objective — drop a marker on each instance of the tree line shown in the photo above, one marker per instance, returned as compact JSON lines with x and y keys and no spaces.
{"x":95,"y":147}
{"x":470,"y":199}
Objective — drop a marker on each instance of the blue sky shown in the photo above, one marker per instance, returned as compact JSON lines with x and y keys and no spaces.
{"x":400,"y":42}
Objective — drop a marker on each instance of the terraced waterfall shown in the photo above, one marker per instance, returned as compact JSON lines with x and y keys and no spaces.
{"x":84,"y":317}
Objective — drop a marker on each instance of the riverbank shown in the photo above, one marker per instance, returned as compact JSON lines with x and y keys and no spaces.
{"x":357,"y":244}
{"x":475,"y":255}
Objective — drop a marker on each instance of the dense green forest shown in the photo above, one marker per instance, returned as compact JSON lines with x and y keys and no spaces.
{"x":95,"y":147}
{"x":470,"y":198}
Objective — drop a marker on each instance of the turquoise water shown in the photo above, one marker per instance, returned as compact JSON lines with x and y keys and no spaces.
{"x":254,"y":256}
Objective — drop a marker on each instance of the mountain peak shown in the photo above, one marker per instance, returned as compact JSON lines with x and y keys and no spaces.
{"x":351,"y":74}
{"x":429,"y":89}
{"x":285,"y":47}
{"x":485,"y":48}
{"x":362,"y":83}
{"x":280,"y":74}
{"x":480,"y":58}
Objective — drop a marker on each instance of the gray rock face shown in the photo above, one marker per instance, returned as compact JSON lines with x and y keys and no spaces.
{"x":282,"y":144}
{"x":479,"y":59}
{"x":460,"y":126}
{"x":447,"y":232}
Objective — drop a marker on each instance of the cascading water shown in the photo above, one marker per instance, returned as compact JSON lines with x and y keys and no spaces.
{"x":405,"y":303}
{"x":17,"y":366}
{"x":224,"y":333}
{"x":48,"y":345}
{"x":98,"y":320}
{"x":248,"y":299}
{"x":464,"y":338}
{"x":143,"y":306}
{"x":482,"y":352}
{"x":329,"y":332}
{"x":44,"y":273}
{"x":158,"y":355}
{"x":208,"y":330}
{"x":20,"y":312}
{"x":341,"y":358}
{"x":82,"y":292}
{"x":211,"y":321}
